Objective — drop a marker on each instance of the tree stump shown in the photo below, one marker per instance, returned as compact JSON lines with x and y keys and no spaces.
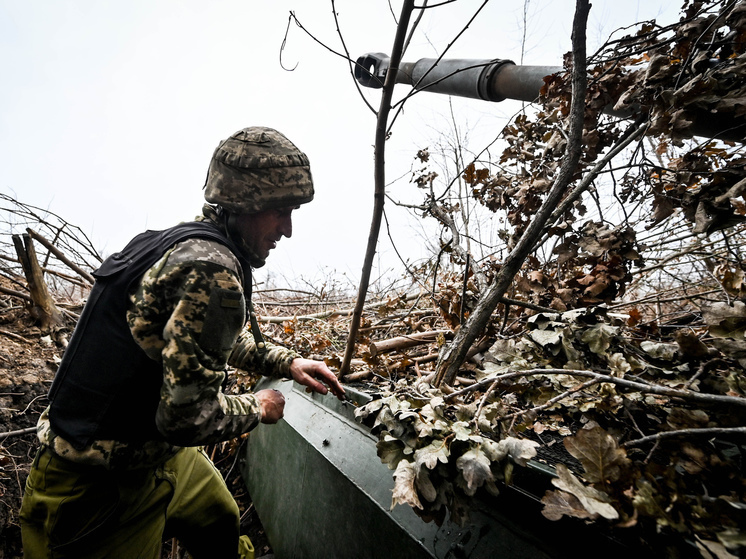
{"x":43,"y":307}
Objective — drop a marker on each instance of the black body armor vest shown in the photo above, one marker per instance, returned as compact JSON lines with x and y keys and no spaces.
{"x":106,"y":387}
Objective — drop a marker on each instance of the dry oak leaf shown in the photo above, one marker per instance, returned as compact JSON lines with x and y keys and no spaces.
{"x":475,"y":467}
{"x":519,"y":450}
{"x":598,"y":452}
{"x":594,"y":501}
{"x":429,"y":455}
{"x":558,"y":504}
{"x":404,"y":492}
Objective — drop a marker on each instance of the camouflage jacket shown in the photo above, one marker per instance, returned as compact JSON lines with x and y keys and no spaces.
{"x":188,"y":312}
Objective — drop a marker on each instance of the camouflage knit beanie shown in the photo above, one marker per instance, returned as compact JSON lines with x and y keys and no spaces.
{"x":258,"y":169}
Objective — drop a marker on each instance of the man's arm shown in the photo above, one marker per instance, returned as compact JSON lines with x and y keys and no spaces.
{"x":281,"y":362}
{"x":273,"y":362}
{"x":187,"y":313}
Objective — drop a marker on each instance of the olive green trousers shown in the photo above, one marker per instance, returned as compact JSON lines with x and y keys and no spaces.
{"x":83,"y":512}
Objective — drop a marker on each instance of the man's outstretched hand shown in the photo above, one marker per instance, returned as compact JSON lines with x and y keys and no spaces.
{"x":309,"y":372}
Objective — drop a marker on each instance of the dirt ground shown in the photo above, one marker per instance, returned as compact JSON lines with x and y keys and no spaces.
{"x":27,"y":366}
{"x":28,"y":361}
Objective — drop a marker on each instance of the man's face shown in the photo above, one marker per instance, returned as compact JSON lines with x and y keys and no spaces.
{"x":261,"y":231}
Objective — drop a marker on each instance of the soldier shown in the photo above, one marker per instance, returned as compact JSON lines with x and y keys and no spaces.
{"x":139,"y":389}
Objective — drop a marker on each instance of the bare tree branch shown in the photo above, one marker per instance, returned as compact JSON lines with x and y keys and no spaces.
{"x":455,"y":352}
{"x":379,"y":195}
{"x":605,"y":377}
{"x":58,"y":253}
{"x":707,"y":432}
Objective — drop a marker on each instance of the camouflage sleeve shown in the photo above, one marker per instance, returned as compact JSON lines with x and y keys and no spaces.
{"x":275,"y":362}
{"x":188,"y":312}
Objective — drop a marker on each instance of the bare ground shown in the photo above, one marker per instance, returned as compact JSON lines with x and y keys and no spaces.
{"x":27,"y":366}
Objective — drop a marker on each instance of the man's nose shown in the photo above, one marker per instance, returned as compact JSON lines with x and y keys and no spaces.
{"x":286,"y":226}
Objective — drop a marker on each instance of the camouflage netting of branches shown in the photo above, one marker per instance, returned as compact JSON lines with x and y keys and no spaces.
{"x":625,"y":341}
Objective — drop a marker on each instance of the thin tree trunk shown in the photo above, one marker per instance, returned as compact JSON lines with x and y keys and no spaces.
{"x":455,"y":352}
{"x":380,"y":181}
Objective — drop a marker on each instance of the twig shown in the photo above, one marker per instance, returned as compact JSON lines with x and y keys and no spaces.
{"x":662,"y":263}
{"x":702,"y":369}
{"x":603,"y":377}
{"x":656,"y":298}
{"x":305,"y":317}
{"x":30,"y":215}
{"x":634,"y":131}
{"x":400,"y":104}
{"x":15,"y":336}
{"x":18,"y":476}
{"x":426,"y":358}
{"x":26,"y":431}
{"x":325,"y":314}
{"x":410,"y":340}
{"x":482,"y":401}
{"x":687,"y":433}
{"x":247,"y":511}
{"x":354,"y":377}
{"x":652,"y":451}
{"x":31,"y":402}
{"x":352,"y":64}
{"x":238,"y":453}
{"x":554,"y":400}
{"x":14,"y":293}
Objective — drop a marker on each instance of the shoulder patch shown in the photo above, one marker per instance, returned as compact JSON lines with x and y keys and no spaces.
{"x":224,"y":319}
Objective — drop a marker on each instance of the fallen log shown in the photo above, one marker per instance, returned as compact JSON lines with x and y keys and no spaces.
{"x":411,"y":340}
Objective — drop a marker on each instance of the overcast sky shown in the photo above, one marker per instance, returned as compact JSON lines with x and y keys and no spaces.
{"x":110,"y":110}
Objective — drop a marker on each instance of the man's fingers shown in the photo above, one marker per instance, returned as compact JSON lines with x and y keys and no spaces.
{"x":315,"y":386}
{"x":331,"y":380}
{"x":309,"y":373}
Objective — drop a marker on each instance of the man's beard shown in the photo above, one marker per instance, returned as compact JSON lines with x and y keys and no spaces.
{"x":247,"y":253}
{"x":254,"y":260}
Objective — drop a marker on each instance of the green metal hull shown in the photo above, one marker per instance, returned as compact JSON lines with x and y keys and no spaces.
{"x":321,"y":492}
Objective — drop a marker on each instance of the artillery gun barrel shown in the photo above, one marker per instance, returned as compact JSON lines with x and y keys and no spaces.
{"x":499,"y":79}
{"x":489,"y":80}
